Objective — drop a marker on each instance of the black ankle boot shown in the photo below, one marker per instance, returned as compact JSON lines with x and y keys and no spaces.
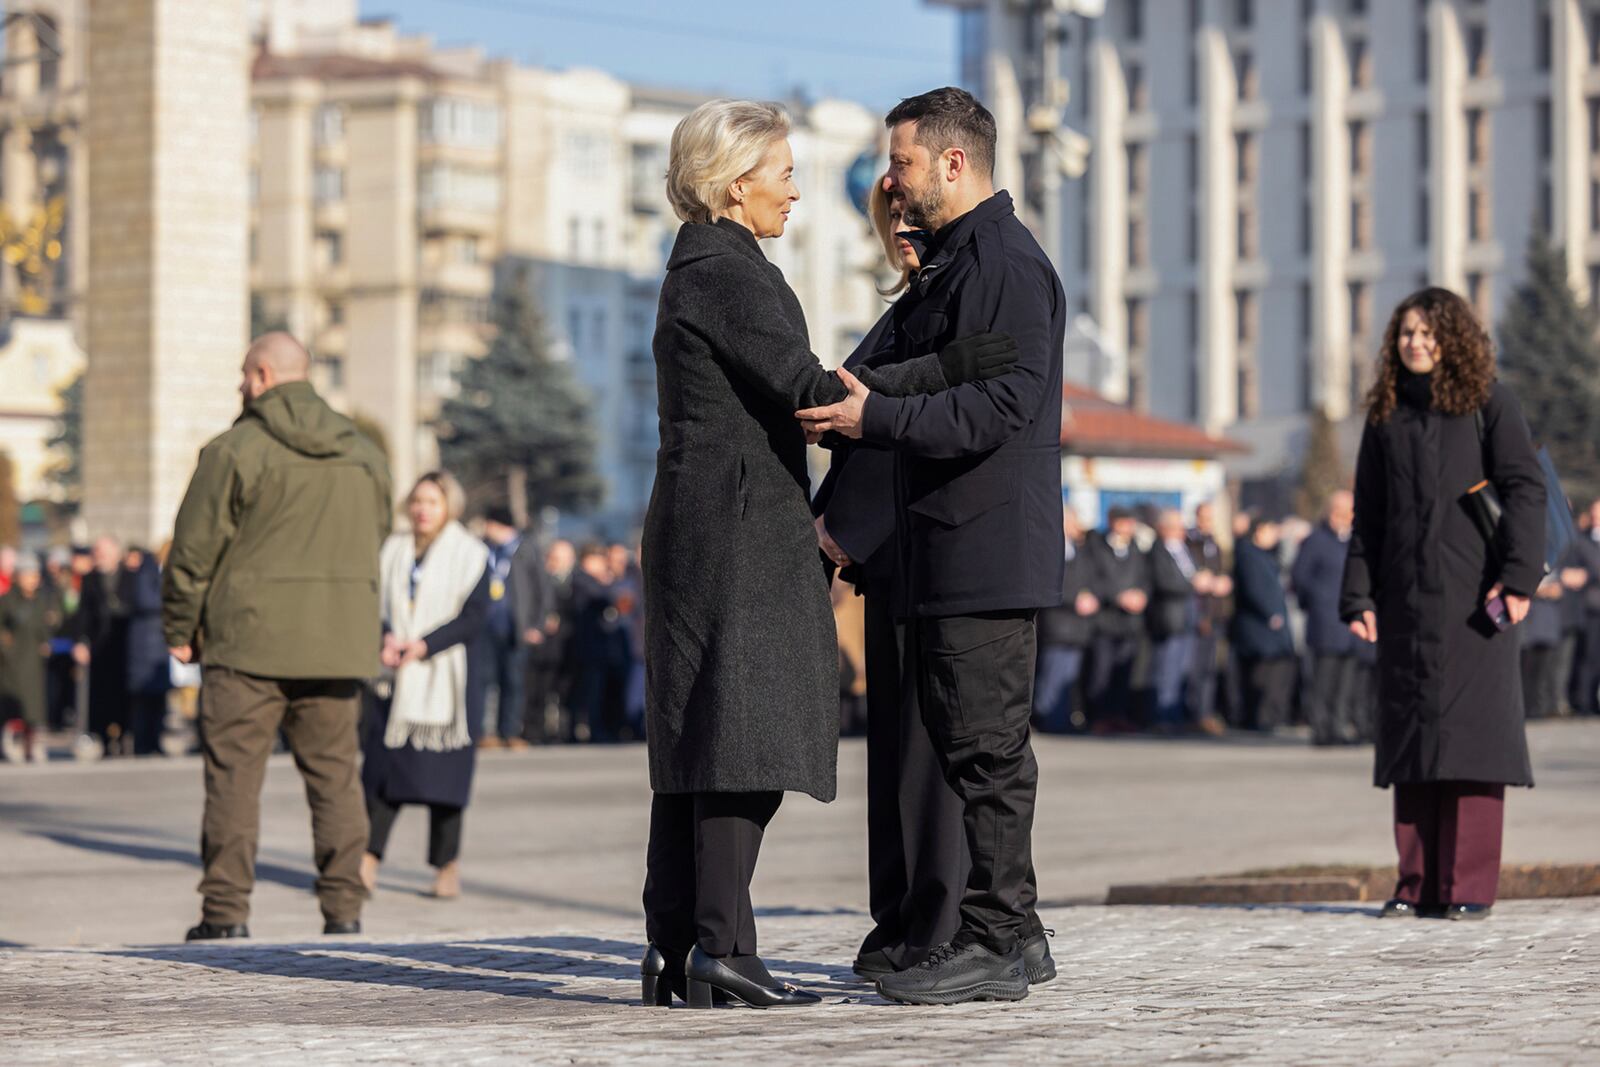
{"x":661,"y":976}
{"x":216,"y":931}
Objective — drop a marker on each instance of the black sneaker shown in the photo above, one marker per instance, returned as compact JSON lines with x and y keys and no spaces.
{"x":956,"y":973}
{"x":871,"y":966}
{"x":1041,"y":966}
{"x":332,"y":928}
{"x":216,"y":931}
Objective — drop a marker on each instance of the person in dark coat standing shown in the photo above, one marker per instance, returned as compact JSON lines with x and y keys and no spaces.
{"x":1261,"y":636}
{"x":1541,"y":642}
{"x":1422,"y":583}
{"x":1064,"y":636}
{"x":100,"y":630}
{"x":741,"y":657}
{"x":518,"y":603}
{"x":1583,"y":691}
{"x":978,"y":482}
{"x":417,"y":740}
{"x":1339,"y":663}
{"x":1176,"y":580}
{"x":30,"y":616}
{"x":1122,"y":585}
{"x":916,"y":852}
{"x":149,"y":664}
{"x":1216,"y":606}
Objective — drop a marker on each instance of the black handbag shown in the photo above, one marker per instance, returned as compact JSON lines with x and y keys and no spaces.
{"x":1484,"y":507}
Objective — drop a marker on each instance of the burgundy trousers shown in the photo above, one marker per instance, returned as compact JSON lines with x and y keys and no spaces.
{"x":1448,"y":836}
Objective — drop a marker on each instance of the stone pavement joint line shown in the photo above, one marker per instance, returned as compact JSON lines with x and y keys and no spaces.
{"x":1291,"y":983}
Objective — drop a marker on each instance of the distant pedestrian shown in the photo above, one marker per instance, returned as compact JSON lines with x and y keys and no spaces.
{"x":100,"y":632}
{"x":149,"y":664}
{"x":418,"y":743}
{"x":1176,"y":582}
{"x":518,"y":602}
{"x":1261,"y":636}
{"x":1065,"y":633}
{"x":549,"y":673}
{"x":1440,"y":602}
{"x":599,"y":647}
{"x":1341,"y":665}
{"x":1216,"y":608}
{"x":272,"y":584}
{"x":1122,"y":585}
{"x":30,"y":616}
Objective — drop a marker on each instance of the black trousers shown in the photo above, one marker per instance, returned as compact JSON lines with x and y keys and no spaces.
{"x":698,"y":866}
{"x":975,"y":684}
{"x":444,"y":829}
{"x":917,"y":861}
{"x":1338,"y":691}
{"x":1268,"y":689}
{"x":1201,"y":694}
{"x":1541,"y":688}
{"x":1111,"y":663}
{"x":1585,"y":690}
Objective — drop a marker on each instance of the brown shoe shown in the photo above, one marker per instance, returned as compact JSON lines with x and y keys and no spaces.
{"x":1212,"y":726}
{"x":489,"y":742}
{"x":516,"y":744}
{"x":447,"y":883}
{"x":369,"y":871}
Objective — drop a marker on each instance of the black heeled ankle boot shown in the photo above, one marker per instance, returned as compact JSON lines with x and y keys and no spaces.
{"x":661,"y":975}
{"x":706,"y":976}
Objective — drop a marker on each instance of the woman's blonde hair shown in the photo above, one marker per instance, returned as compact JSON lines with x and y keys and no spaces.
{"x":883,"y":226}
{"x":714,"y":146}
{"x":455,"y":498}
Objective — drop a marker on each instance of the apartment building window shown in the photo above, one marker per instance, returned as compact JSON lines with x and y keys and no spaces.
{"x":1478,"y":292}
{"x":1360,"y":309}
{"x":1358,"y":8}
{"x":1135,"y":19}
{"x":1192,"y":236}
{"x":1543,"y":37}
{"x":1244,"y":13}
{"x":330,"y":371}
{"x":1424,"y":142}
{"x":1192,"y":318}
{"x":1138,"y":323}
{"x":1307,"y":224}
{"x":328,"y":126}
{"x":460,"y":122}
{"x":1244,"y":313}
{"x":329,"y":248}
{"x":1360,"y":63}
{"x":1137,"y":251}
{"x":1306,"y":161}
{"x":1594,"y":38}
{"x":333,"y":313}
{"x":1594,"y":207}
{"x":1249,"y":388}
{"x":1138,"y":94}
{"x":1477,"y":50}
{"x":1305,"y":310}
{"x":1138,"y":174}
{"x":1477,"y":215}
{"x":1594,"y":286}
{"x":1246,"y":157}
{"x":1360,"y":149}
{"x":436,"y":374}
{"x":1360,"y":225}
{"x":1423,"y":44}
{"x":1546,"y":131}
{"x":1244,"y":66}
{"x":1477,"y":137}
{"x":1249,"y":234}
{"x":1424,"y":214}
{"x":574,"y":238}
{"x":1594,"y":125}
{"x":1191,"y":159}
{"x":1306,"y":65}
{"x":1547,"y":214}
{"x":440,"y":308}
{"x":447,"y":185}
{"x":327,"y":185}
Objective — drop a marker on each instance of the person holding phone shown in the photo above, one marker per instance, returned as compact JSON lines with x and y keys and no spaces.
{"x":1439,"y":598}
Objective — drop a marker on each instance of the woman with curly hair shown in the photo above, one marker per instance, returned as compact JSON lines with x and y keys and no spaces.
{"x":1423,"y":583}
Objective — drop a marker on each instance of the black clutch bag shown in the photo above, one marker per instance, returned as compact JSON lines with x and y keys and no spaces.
{"x":1484,"y":507}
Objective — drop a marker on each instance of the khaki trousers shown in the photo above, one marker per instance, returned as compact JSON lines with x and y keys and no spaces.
{"x":240,"y":716}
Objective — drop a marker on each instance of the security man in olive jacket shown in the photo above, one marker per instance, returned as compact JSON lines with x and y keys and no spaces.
{"x":978,"y":487}
{"x":273,"y":582}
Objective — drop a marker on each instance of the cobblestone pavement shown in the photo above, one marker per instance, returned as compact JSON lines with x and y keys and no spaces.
{"x":1138,"y":985}
{"x":537,"y":962}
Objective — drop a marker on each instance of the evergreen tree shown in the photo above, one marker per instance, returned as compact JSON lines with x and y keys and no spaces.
{"x":1323,"y":471}
{"x":1550,"y":359}
{"x":67,"y":441}
{"x":519,"y":428}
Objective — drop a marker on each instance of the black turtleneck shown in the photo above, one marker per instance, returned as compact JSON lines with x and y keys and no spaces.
{"x":1414,"y":390}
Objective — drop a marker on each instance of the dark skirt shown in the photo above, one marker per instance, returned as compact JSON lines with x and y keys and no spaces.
{"x":408,"y":775}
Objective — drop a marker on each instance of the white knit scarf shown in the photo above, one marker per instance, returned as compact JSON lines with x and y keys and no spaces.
{"x":429,"y":709}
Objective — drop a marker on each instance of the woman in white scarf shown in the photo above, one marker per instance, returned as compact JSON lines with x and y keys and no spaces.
{"x":419,"y":747}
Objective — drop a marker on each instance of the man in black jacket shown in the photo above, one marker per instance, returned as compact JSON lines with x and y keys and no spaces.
{"x":1215,"y":606}
{"x":519,"y":601}
{"x":1064,"y":635}
{"x":978,"y":483}
{"x":1340,"y":664}
{"x":1176,"y":580}
{"x":1122,"y":582}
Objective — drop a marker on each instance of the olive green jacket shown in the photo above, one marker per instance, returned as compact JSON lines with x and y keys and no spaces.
{"x":274,"y":564}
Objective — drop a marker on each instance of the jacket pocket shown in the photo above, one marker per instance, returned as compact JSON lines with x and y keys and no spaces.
{"x":964,"y":499}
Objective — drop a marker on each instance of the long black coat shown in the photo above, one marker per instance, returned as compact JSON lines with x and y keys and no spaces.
{"x":1114,"y":575}
{"x":1449,"y":683}
{"x":1317,"y":578}
{"x":1062,"y":626}
{"x":1174,"y":606}
{"x":978,"y":467}
{"x":1258,"y":599}
{"x":741,"y":659}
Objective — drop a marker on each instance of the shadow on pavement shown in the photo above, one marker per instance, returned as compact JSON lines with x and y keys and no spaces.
{"x":532,"y":967}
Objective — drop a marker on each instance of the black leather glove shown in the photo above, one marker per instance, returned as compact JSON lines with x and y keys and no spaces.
{"x":977,"y":358}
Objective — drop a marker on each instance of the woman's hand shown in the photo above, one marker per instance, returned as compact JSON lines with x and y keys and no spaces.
{"x":843,"y":417}
{"x":1516,"y":606}
{"x":1366,"y":627}
{"x":413,"y":652}
{"x":392,"y":649}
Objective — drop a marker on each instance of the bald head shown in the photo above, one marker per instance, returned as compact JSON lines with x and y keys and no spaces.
{"x":273,"y":359}
{"x":1341,"y":510}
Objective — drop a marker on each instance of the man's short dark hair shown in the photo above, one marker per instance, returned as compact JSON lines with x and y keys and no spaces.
{"x":1118,"y":513}
{"x":950,"y":118}
{"x":500,"y":514}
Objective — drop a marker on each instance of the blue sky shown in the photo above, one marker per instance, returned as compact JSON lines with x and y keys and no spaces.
{"x":871,"y":51}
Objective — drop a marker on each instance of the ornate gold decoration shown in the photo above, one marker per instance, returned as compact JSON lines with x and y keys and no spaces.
{"x":33,"y":247}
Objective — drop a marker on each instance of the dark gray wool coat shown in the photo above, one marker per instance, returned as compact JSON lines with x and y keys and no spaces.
{"x":741,"y":661}
{"x":1449,"y":683}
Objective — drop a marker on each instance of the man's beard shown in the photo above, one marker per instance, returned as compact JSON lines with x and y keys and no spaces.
{"x":924,"y":207}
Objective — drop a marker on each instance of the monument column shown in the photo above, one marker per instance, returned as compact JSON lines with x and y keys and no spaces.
{"x":166,"y":117}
